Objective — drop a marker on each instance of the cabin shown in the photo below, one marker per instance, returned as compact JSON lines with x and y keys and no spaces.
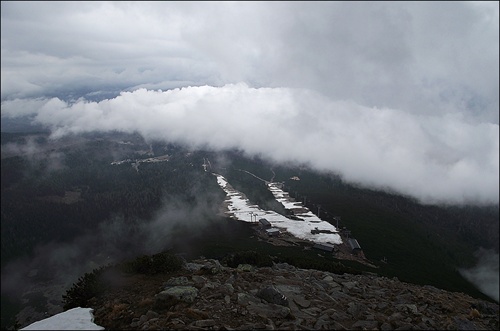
{"x":273,"y":232}
{"x":264,"y":223}
{"x":355,"y":248}
{"x":324,"y":247}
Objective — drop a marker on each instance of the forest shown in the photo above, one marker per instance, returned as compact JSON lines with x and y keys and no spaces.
{"x":421,"y":244}
{"x":58,"y":191}
{"x":31,"y":214}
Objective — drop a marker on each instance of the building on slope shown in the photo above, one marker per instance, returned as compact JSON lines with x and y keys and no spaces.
{"x":273,"y":232}
{"x":264,"y":223}
{"x":324,"y":247}
{"x":355,"y":247}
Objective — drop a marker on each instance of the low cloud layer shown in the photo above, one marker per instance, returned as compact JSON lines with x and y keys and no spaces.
{"x":401,"y":96}
{"x":54,"y":266}
{"x":434,"y":158}
{"x":395,"y":96}
{"x":420,"y":57}
{"x":37,"y":155}
{"x":485,"y":274}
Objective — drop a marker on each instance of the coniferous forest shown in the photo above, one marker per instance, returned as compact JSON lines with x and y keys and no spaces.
{"x":56,"y":192}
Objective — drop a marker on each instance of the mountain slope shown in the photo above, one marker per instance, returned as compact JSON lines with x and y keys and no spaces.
{"x":205,"y":294}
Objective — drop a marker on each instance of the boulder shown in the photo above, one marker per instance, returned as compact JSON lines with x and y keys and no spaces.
{"x":272,"y":295}
{"x":180,"y":293}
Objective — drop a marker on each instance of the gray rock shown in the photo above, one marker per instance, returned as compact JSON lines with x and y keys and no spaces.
{"x":284,"y":266}
{"x":325,"y":297}
{"x":313,"y":311}
{"x":328,"y":278}
{"x":403,"y":298}
{"x":428,"y":321}
{"x":226,"y":289}
{"x":382,"y":305}
{"x":329,"y":312}
{"x":365,"y":325}
{"x":252,"y":326}
{"x":151,"y":314}
{"x":199,"y":281}
{"x":356,"y":309}
{"x":288,"y":289}
{"x":322,"y":324}
{"x":181,"y":293}
{"x":268,"y":310}
{"x":350,"y":285}
{"x":404,"y":326}
{"x":177,"y":281}
{"x":464,"y":324}
{"x":337,"y":326}
{"x":338,"y":296}
{"x":208,"y":287}
{"x":407,"y":308}
{"x":231,"y":279}
{"x":272,"y":295}
{"x":301,"y":301}
{"x":431,"y":288}
{"x":330,"y":282}
{"x":395,"y":317}
{"x":370,"y":317}
{"x":212,"y":267}
{"x":322,"y":286}
{"x":193,"y":266}
{"x":204,"y":323}
{"x":245,"y":268}
{"x":386,"y":326}
{"x":177,"y":322}
{"x":316,"y":300}
{"x":153,"y":320}
{"x":244,"y":299}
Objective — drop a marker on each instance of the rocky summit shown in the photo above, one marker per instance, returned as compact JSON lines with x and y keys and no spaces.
{"x":205,"y":295}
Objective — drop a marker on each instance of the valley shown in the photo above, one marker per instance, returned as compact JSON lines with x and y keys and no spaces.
{"x":71,"y":206}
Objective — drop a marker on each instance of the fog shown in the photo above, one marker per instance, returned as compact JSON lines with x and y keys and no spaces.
{"x":436,"y":159}
{"x":485,"y":275}
{"x":400,"y":96}
{"x":395,"y":96}
{"x":55,"y":266}
{"x":419,"y":57}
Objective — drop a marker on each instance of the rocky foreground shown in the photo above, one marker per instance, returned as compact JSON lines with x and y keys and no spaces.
{"x":208,"y":296}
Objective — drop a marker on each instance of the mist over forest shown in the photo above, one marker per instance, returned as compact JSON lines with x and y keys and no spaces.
{"x":387,"y":112}
{"x":72,"y":204}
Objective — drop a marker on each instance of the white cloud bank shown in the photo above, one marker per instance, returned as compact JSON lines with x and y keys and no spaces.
{"x":394,"y":95}
{"x":419,"y":57}
{"x":485,"y":275}
{"x":434,"y":158}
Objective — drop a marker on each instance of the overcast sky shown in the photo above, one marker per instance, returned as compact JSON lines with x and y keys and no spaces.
{"x":392,"y":95}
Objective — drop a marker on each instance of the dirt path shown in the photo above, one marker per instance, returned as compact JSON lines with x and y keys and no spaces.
{"x":248,"y":172}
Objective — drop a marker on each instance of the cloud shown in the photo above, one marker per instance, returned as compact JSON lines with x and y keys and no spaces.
{"x":433,"y":158}
{"x":55,"y":266}
{"x":419,"y":57}
{"x":37,"y":154}
{"x":485,"y":274}
{"x":397,"y":96}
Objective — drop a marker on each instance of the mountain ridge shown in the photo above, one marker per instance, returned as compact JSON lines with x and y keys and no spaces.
{"x":210,"y":295}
